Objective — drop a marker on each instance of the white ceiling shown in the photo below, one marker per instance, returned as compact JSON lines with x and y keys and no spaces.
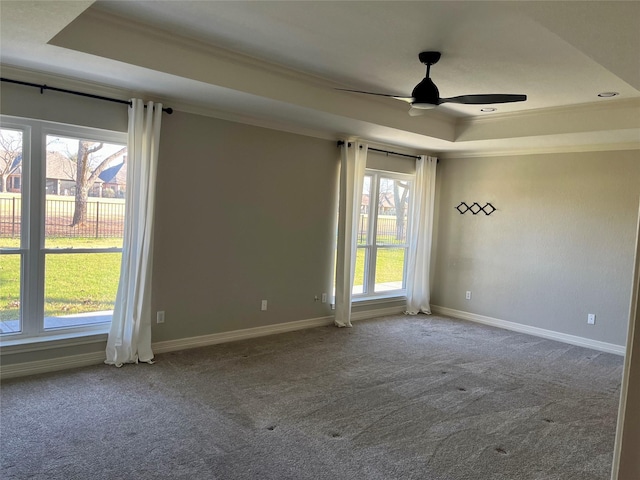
{"x":277,"y":63}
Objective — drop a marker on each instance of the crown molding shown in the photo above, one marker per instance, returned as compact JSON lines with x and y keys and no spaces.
{"x":611,"y":147}
{"x":583,"y":109}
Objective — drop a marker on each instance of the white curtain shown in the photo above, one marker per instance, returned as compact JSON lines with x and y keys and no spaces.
{"x":352,"y":166}
{"x":419,"y":254}
{"x":130,"y":336}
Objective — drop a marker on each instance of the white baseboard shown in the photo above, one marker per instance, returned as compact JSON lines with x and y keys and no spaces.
{"x":378,"y":312}
{"x":246,"y":333}
{"x":538,"y":332}
{"x":51,"y":365}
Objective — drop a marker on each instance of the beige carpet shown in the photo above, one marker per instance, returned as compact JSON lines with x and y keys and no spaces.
{"x":422,"y":397}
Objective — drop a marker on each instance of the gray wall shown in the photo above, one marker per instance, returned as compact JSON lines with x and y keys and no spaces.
{"x":560,"y":245}
{"x":243,"y":214}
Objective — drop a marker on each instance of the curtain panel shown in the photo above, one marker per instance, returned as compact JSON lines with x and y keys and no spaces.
{"x":353,"y":163}
{"x":130,"y":335}
{"x":421,"y":235}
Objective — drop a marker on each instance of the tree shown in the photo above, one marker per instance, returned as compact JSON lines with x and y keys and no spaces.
{"x":88,"y":169}
{"x":400,"y":197}
{"x":400,"y":191}
{"x":10,"y":155}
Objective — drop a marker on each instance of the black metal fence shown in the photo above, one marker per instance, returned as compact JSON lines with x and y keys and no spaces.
{"x":390,"y":230}
{"x":105,"y":219}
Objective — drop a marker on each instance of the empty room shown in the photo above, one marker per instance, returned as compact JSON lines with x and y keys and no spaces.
{"x":319,"y":240}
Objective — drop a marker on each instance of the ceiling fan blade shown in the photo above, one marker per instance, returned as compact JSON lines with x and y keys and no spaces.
{"x":404,"y":99}
{"x":416,"y":112}
{"x":485,"y":99}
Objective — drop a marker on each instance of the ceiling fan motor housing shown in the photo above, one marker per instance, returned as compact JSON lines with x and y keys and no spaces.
{"x":425,"y":94}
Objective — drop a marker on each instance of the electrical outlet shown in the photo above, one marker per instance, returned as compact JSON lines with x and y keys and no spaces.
{"x":160,"y":317}
{"x":591,"y":319}
{"x":468,"y":295}
{"x":263,"y":305}
{"x":324,"y":298}
{"x":316,"y":298}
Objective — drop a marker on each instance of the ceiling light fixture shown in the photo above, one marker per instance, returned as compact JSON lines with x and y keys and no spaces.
{"x":488,"y":109}
{"x":608,"y":94}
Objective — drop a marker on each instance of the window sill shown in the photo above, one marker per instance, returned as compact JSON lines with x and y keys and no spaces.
{"x":48,"y":341}
{"x":379,"y":299}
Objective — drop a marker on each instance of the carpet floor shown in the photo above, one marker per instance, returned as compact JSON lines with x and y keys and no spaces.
{"x":399,"y":397}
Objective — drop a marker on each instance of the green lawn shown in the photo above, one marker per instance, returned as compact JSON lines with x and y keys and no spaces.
{"x":74,"y":283}
{"x":389,"y":267}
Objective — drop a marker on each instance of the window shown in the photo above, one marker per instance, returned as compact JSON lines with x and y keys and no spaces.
{"x":61,"y":227}
{"x":382,"y":234}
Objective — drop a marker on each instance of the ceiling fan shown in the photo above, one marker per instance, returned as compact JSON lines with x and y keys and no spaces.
{"x":426,"y":96}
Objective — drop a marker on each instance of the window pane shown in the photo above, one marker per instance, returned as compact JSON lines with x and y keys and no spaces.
{"x":80,"y":288}
{"x":10,"y":187}
{"x":10,"y":228}
{"x":389,"y":269}
{"x":363,"y":220}
{"x":393,"y":206}
{"x":358,"y":281}
{"x":10,"y":274}
{"x":85,"y":188}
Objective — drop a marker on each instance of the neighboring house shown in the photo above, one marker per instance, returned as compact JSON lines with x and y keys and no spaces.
{"x":14,"y":181}
{"x":60,"y":176}
{"x":112,"y":181}
{"x":387,"y":204}
{"x":61,"y":172}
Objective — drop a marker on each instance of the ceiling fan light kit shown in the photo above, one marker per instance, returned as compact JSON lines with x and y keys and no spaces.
{"x":426,"y":95}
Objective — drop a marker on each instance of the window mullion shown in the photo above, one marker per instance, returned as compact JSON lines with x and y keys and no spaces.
{"x":33,"y":269}
{"x":373,"y":228}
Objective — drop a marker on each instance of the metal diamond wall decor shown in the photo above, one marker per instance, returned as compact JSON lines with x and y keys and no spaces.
{"x":475,"y":208}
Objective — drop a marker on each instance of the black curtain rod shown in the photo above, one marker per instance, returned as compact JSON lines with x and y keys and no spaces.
{"x":42,"y":88}
{"x":393,"y":153}
{"x":341,"y":142}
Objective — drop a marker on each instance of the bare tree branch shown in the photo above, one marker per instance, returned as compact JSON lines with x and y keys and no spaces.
{"x":104,"y":164}
{"x":10,"y":150}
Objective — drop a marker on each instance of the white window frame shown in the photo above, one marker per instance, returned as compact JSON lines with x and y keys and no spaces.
{"x":32,"y":241}
{"x":371,"y":247}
